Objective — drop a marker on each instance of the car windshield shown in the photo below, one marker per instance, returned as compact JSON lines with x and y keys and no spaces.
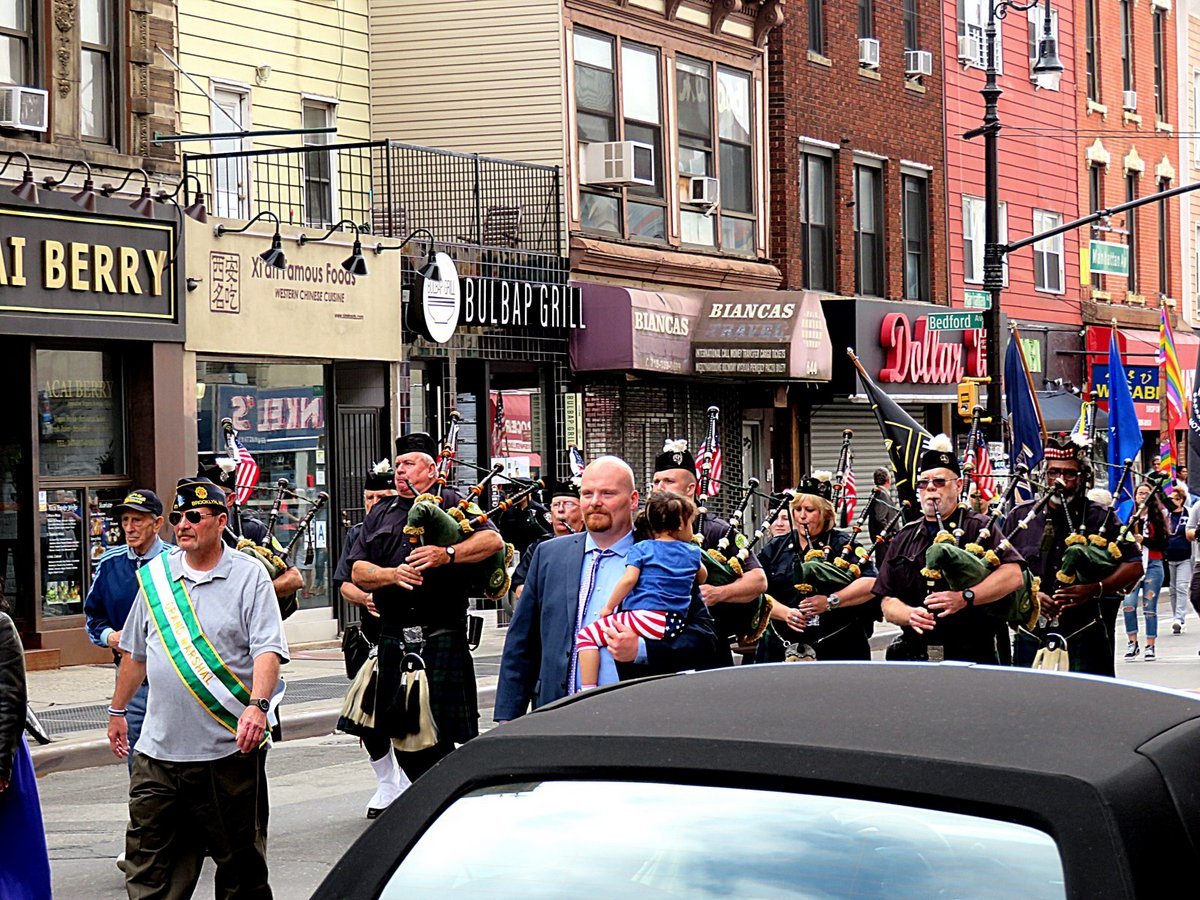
{"x":633,"y":839}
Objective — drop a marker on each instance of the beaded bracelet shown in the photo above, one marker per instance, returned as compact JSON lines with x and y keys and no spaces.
{"x":116,"y":712}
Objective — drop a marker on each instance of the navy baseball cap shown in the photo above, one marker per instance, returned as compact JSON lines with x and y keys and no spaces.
{"x":142,"y":501}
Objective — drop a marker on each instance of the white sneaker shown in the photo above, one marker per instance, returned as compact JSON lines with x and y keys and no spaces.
{"x":1176,"y":628}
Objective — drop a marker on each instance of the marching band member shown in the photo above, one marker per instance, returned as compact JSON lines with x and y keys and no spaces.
{"x":566,"y":517}
{"x":421,"y":595}
{"x":836,"y":625}
{"x":942,"y":624}
{"x":1086,"y":613}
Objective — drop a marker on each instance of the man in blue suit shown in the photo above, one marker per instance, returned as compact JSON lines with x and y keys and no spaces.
{"x":570,"y":580}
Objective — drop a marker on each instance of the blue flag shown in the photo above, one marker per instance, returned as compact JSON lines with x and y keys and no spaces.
{"x":1027,"y":446}
{"x":1124,"y":433}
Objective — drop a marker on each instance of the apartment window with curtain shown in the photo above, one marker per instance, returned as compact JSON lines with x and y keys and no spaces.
{"x":915,"y":216}
{"x":1095,"y":203}
{"x":614,"y":102}
{"x":1164,"y":258}
{"x":1092,"y":49}
{"x":912,"y":25}
{"x":319,"y":201}
{"x":693,"y":81}
{"x":97,"y":90}
{"x":1127,"y":82}
{"x":1160,"y":65}
{"x":816,"y":26}
{"x":1048,"y":273}
{"x":736,"y":161}
{"x":974,"y":233}
{"x":868,"y":231}
{"x":1131,"y":192}
{"x":972,"y":22}
{"x":17,"y":54}
{"x":816,"y":221}
{"x":866,"y":18}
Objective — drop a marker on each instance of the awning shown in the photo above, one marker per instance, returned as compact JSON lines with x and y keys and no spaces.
{"x":630,"y":330}
{"x":769,"y":335}
{"x":1060,"y":411}
{"x":1139,"y":356}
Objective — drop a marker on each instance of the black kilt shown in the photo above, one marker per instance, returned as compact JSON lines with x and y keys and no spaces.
{"x":451,"y":678}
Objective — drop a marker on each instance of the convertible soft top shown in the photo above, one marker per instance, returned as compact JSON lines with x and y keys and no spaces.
{"x":1108,"y":769}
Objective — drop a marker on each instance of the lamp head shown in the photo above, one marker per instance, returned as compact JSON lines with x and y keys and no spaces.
{"x":354,"y":263}
{"x":197,"y":210}
{"x":27,"y":189}
{"x":144,"y":204}
{"x":275,"y":257}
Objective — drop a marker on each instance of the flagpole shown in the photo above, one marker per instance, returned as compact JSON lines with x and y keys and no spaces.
{"x":1028,"y":378}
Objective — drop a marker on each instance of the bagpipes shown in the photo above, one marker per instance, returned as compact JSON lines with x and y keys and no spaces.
{"x":430,"y":524}
{"x":817,"y":572}
{"x":703,"y":496}
{"x":745,"y":622}
{"x":839,"y":475}
{"x":1092,"y":558}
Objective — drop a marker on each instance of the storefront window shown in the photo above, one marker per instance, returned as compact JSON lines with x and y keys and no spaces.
{"x":80,"y":413}
{"x":516,"y":438}
{"x":279,"y":411}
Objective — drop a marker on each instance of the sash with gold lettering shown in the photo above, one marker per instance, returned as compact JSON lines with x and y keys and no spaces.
{"x":192,"y":655}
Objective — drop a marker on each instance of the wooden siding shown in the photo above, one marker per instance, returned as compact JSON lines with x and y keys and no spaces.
{"x":1188,"y":21}
{"x":314,"y":48}
{"x":477,"y":76}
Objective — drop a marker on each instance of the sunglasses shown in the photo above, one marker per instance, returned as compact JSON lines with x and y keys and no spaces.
{"x":1062,"y":473}
{"x":194,"y":516}
{"x":936,"y":483}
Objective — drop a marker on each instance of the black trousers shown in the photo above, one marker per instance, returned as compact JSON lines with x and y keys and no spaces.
{"x":180,"y":812}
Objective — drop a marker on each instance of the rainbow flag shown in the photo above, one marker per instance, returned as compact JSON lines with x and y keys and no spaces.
{"x":1172,"y":380}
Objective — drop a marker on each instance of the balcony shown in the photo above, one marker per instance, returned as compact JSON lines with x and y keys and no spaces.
{"x":496,"y":218}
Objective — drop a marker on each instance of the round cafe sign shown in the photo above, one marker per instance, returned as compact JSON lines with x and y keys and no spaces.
{"x":441,"y":301}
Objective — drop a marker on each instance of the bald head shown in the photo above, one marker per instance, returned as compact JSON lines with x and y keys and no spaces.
{"x":609,"y":498}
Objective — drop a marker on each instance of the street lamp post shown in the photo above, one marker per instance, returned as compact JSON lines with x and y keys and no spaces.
{"x":1047,"y":70}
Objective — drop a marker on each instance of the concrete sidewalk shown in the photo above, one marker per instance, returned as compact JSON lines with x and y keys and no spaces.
{"x":71,"y":702}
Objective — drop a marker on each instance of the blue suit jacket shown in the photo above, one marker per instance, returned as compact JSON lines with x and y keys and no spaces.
{"x":537,"y":649}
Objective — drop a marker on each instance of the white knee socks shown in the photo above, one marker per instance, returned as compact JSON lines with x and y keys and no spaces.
{"x":392,"y":781}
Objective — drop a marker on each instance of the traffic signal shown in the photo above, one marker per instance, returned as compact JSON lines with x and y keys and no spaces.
{"x":968,"y":399}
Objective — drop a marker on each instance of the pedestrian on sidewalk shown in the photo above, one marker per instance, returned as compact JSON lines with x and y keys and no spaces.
{"x":24,"y":860}
{"x":392,"y":782}
{"x":206,"y":625}
{"x":1179,"y":558}
{"x":1151,"y":531}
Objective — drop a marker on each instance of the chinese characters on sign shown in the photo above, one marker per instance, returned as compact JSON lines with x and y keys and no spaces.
{"x":224,"y":282}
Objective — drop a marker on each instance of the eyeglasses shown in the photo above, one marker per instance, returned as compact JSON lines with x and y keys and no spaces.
{"x":1062,"y":473}
{"x":192,"y":515}
{"x":936,"y":483}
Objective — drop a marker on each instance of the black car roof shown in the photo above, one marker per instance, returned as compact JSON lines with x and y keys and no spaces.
{"x":1106,"y":768}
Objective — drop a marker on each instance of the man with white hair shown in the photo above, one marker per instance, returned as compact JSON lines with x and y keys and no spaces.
{"x":570,"y":580}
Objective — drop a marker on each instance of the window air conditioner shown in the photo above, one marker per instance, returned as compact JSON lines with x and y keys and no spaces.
{"x":918,"y":62}
{"x":969,"y":49}
{"x":618,"y":163}
{"x":23,"y":108}
{"x":1129,"y":100}
{"x":868,"y":53}
{"x":703,"y":190}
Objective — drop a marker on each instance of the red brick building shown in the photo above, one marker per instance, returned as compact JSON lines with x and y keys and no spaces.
{"x":856,"y":141}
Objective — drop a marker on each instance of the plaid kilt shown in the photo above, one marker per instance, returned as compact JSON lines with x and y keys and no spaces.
{"x":451,"y":676}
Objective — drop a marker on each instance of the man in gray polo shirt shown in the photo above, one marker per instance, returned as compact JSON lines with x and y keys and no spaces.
{"x":198,"y":785}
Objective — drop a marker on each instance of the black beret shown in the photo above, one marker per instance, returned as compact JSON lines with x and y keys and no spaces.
{"x":559,"y":488}
{"x":417,"y":442}
{"x":197,"y":493}
{"x":380,"y":478}
{"x":815,"y":487}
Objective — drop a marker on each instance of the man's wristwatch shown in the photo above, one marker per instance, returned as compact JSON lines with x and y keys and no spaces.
{"x":262,"y":704}
{"x":833,"y":600}
{"x":450,"y":553}
{"x":969,"y":597}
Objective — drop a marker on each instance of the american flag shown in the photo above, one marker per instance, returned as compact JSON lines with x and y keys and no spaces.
{"x":849,"y":489}
{"x":715,"y":474}
{"x":982,"y":476}
{"x":245,"y":476}
{"x":576,"y":461}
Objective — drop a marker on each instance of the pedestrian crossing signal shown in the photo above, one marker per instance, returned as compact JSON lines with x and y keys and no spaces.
{"x":968,"y":399}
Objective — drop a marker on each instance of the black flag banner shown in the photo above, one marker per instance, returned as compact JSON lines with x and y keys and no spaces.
{"x":902,"y":436}
{"x":1194,"y":435}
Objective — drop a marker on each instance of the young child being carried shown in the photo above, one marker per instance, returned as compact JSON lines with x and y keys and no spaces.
{"x":656,"y":589}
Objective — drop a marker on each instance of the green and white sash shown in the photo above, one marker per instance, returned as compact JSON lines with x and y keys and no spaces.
{"x":191,"y":653}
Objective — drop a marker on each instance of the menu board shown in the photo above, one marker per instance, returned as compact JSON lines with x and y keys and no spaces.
{"x":104,"y":529}
{"x":61,"y":526}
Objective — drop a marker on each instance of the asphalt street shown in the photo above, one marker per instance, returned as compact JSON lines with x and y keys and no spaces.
{"x":319,"y":788}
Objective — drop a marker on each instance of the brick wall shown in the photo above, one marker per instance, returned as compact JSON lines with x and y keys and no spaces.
{"x":835,"y":101}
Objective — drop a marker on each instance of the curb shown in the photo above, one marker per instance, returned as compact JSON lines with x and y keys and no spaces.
{"x":85,"y":753}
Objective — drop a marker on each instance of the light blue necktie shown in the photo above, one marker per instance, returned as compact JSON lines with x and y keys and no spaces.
{"x":585,"y":598}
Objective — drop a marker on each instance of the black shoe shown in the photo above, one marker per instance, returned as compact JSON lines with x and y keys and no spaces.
{"x":1132,"y":650}
{"x":373,"y":813}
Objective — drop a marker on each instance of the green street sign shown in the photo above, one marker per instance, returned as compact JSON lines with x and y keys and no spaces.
{"x":954,"y":321}
{"x":977,"y":300}
{"x":1107,"y":258}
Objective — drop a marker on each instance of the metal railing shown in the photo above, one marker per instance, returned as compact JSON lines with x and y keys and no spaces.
{"x":497,"y":218}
